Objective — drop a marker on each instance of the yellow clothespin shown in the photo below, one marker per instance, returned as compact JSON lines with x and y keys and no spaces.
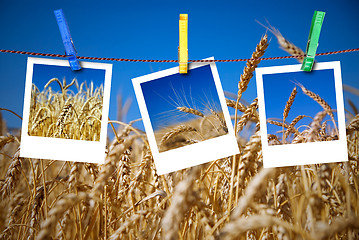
{"x":183,"y":45}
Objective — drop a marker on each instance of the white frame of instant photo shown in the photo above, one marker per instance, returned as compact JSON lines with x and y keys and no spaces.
{"x":58,"y":148}
{"x":303,"y":153}
{"x":194,"y":154}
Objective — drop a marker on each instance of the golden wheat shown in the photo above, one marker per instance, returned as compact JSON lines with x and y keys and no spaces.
{"x":289,"y":104}
{"x":176,"y":131}
{"x":317,"y":130}
{"x":52,"y":114}
{"x":230,"y":198}
{"x":190,"y":110}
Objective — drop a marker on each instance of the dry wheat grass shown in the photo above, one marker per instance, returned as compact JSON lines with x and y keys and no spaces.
{"x":231,"y":198}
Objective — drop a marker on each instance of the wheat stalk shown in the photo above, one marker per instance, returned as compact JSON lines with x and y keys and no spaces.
{"x":242,"y":86}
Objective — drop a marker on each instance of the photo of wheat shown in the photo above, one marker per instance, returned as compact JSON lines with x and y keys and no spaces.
{"x":230,"y":198}
{"x":184,"y":109}
{"x":299,"y":109}
{"x":66,"y":104}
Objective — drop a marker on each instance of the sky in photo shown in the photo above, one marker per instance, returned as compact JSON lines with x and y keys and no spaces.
{"x":42,"y":73}
{"x":149,"y":30}
{"x":278,"y":87}
{"x":195,"y":90}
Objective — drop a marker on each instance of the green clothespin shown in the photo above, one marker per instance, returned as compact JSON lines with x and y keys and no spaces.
{"x":313,"y":40}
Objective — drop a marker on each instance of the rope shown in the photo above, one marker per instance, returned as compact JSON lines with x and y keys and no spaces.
{"x":153,"y":60}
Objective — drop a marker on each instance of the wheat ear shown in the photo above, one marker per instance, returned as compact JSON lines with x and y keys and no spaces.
{"x":272,"y":137}
{"x":12,"y":175}
{"x":315,"y":126}
{"x":320,"y":101}
{"x":289,"y":103}
{"x":292,"y":124}
{"x":183,"y":198}
{"x":280,"y":124}
{"x":248,"y":161}
{"x":220,"y":119}
{"x":251,"y":65}
{"x":338,"y":224}
{"x":16,"y":206}
{"x":236,"y":229}
{"x":62,"y":118}
{"x":176,"y":131}
{"x":254,"y":187}
{"x":74,"y":175}
{"x":117,"y":235}
{"x":49,"y":224}
{"x":2,"y":125}
{"x":354,"y":125}
{"x":284,"y":43}
{"x":287,"y":107}
{"x":242,"y":86}
{"x":35,"y":211}
{"x":250,"y":112}
{"x":240,"y":106}
{"x":109,"y":167}
{"x":190,"y":110}
{"x":6,"y":140}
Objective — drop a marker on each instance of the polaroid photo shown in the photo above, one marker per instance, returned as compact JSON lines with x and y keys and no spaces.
{"x":185,"y":117}
{"x":65,"y":112}
{"x":301,"y":114}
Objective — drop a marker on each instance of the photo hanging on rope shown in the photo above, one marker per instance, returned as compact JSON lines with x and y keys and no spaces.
{"x":185,"y":117}
{"x":301,"y":113}
{"x":65,"y":112}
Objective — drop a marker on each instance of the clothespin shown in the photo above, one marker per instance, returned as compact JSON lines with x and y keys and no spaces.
{"x":67,"y":40}
{"x":183,"y":45}
{"x":313,"y":40}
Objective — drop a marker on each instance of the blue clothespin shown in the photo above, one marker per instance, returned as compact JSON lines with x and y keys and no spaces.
{"x":67,"y":40}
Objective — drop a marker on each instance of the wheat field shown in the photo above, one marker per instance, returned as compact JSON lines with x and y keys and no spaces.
{"x":317,"y":130}
{"x":66,"y":114}
{"x":230,"y":198}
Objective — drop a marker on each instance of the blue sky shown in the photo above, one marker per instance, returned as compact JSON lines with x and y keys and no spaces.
{"x":149,"y":30}
{"x":193,"y":90}
{"x":43,"y":73}
{"x":278,"y":87}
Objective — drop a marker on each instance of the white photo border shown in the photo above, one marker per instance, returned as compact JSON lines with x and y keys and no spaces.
{"x":58,"y":148}
{"x":303,"y":153}
{"x":194,"y":154}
